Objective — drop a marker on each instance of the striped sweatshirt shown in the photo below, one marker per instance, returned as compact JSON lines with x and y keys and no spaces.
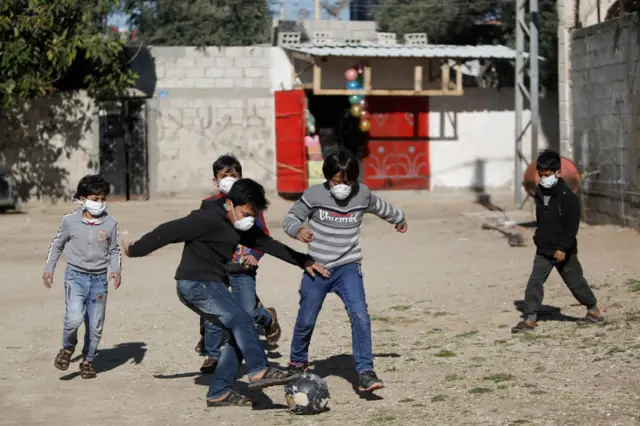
{"x":336,"y":224}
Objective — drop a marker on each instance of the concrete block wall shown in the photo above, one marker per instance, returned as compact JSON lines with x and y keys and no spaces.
{"x":606,"y":109}
{"x":209,"y":102}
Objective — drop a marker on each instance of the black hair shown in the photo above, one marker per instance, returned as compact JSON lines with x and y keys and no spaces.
{"x":548,"y":160}
{"x":92,"y":185}
{"x":341,"y":161}
{"x":248,"y":192}
{"x":226,"y":162}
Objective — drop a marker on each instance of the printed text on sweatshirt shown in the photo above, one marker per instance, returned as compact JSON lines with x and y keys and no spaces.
{"x":336,"y":224}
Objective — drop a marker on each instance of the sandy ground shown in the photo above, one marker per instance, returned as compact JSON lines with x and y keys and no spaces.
{"x":441,"y":299}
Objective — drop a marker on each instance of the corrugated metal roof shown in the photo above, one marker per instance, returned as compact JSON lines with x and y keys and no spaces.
{"x":405,"y":51}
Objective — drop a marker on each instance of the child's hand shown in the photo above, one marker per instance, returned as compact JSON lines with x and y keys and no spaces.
{"x":401,"y":227}
{"x":116,"y":278}
{"x":559,"y":256}
{"x":312,"y":267}
{"x":249,"y":260}
{"x":305,"y":235}
{"x":47,"y":279}
{"x":125,"y":247}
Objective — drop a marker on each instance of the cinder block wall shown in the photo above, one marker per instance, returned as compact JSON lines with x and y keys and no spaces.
{"x":209,"y":102}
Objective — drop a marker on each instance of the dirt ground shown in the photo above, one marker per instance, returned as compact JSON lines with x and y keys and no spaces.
{"x":441,"y":299}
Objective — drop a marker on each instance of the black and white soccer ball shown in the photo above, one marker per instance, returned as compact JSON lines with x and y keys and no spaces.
{"x":307,"y":394}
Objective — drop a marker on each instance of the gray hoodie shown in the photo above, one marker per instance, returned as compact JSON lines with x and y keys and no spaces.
{"x":90,"y":247}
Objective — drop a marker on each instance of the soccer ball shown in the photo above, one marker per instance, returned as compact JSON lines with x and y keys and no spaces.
{"x":307,"y":394}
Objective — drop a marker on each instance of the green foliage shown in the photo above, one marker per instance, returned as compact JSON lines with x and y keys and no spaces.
{"x":200,"y":22}
{"x":452,"y":22}
{"x":42,"y":41}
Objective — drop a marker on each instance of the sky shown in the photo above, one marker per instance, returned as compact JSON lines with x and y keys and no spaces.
{"x":291,"y":9}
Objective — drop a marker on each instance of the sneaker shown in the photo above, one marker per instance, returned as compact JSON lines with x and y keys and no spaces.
{"x":592,"y":318}
{"x":524,"y":326}
{"x":209,"y":366}
{"x":369,"y":381}
{"x":298,"y":368}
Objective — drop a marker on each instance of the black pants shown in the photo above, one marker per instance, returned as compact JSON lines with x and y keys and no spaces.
{"x":571,"y":272}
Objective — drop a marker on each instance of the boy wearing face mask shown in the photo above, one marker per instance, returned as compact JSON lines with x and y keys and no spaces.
{"x":335,"y":211}
{"x":211,"y":236}
{"x":558,"y":221}
{"x":89,"y":238}
{"x":243,"y":267}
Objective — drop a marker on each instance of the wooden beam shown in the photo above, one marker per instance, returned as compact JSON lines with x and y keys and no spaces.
{"x":317,"y":78}
{"x":301,"y":57}
{"x":446,"y":72}
{"x":459,"y":76}
{"x":417,"y":78}
{"x":384,"y":92}
{"x":367,"y":77}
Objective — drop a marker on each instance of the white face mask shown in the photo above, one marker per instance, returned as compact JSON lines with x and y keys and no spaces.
{"x":549,"y":181}
{"x":94,"y":208}
{"x":340,"y":191}
{"x":243,"y":224}
{"x":225,"y":184}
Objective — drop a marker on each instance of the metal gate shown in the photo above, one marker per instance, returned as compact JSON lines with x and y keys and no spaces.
{"x":123,"y":148}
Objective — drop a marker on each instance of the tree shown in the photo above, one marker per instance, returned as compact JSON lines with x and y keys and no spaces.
{"x":454,"y":22}
{"x":50,"y":45}
{"x":200,"y":22}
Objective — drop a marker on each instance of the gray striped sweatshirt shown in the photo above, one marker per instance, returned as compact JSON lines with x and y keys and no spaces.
{"x":336,"y":224}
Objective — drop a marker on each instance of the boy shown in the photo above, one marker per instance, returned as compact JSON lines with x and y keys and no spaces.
{"x":89,"y":237}
{"x":335,"y":210}
{"x":558,"y":220}
{"x":242,"y":274}
{"x":211,"y":236}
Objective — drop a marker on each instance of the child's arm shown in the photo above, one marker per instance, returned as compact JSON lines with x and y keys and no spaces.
{"x":571,"y":211}
{"x":176,"y":231}
{"x":57,"y":246}
{"x":115,"y":256}
{"x":385,"y":211}
{"x":261,"y":224}
{"x":298,"y":213}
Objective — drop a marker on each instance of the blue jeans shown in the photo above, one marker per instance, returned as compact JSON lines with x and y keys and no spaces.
{"x":214,"y":302}
{"x":243,"y":288}
{"x":346,"y":281}
{"x":85,"y":302}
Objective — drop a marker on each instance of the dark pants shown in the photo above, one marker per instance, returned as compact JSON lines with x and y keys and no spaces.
{"x":346,"y":282}
{"x":571,"y":272}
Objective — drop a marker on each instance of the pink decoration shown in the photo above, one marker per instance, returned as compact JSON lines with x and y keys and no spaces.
{"x":351,"y":74}
{"x":364,"y":115}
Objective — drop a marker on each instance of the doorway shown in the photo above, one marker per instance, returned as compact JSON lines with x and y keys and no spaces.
{"x":124,"y":148}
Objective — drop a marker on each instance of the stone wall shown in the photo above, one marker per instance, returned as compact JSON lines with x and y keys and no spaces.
{"x":209,"y":102}
{"x":606,"y":111}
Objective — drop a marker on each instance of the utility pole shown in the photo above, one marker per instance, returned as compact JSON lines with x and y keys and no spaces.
{"x":532,"y":93}
{"x":282,"y":16}
{"x":316,"y":9}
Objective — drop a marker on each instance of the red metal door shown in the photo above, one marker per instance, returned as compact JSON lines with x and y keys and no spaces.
{"x":291,"y":156}
{"x":398,"y":144}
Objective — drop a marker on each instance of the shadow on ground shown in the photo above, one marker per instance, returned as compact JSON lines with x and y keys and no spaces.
{"x":111,"y":358}
{"x":546,"y":313}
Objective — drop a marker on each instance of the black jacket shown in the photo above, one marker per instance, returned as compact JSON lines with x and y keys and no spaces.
{"x":210,"y":241}
{"x":558,"y":221}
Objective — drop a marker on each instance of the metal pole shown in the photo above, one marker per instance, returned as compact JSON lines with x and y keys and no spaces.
{"x":519,"y":100}
{"x":282,"y":14}
{"x":316,"y":9}
{"x":534,"y":83}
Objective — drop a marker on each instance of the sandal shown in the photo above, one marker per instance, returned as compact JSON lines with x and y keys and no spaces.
{"x":63,"y":359}
{"x":524,"y":326}
{"x":232,"y":399}
{"x":590,"y":318}
{"x":271,"y":377}
{"x":87,"y":371}
{"x":274,"y":331}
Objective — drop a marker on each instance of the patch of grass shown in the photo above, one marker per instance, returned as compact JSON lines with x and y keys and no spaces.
{"x":478,"y":359}
{"x":445,"y":353}
{"x":383,"y":418}
{"x":632,"y":316}
{"x":530,"y":385}
{"x":500,"y":377}
{"x":438,"y":398}
{"x":467,"y":334}
{"x":385,"y":330}
{"x":480,"y":390}
{"x":441,"y":314}
{"x":451,"y":378}
{"x":500,"y":342}
{"x":537,"y":392}
{"x":540,"y":369}
{"x":401,"y":308}
{"x":379,"y":318}
{"x":614,"y":350}
{"x":503,"y":326}
{"x":405,"y":400}
{"x":411,"y":359}
{"x":418,"y":405}
{"x":519,"y":422}
{"x":501,"y":387}
{"x":633,"y":284}
{"x":533,"y":337}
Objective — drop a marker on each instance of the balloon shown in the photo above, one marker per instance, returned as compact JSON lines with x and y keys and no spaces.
{"x":365,"y":125}
{"x":363,"y":103}
{"x":354,"y":99}
{"x":364,"y":115}
{"x":356,"y":110}
{"x":351,"y":74}
{"x":354,"y":85}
